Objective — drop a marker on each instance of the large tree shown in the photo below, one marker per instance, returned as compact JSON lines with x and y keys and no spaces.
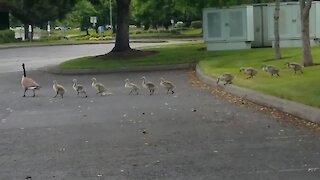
{"x":39,"y":12}
{"x":153,"y":12}
{"x":305,"y":6}
{"x":122,"y":35}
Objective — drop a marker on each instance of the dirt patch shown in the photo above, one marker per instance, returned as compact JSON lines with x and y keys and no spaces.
{"x":130,"y":54}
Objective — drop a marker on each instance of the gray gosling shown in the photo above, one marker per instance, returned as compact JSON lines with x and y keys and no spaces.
{"x":249,"y":71}
{"x":28,"y":83}
{"x":131,"y":86}
{"x":59,"y":89}
{"x":79,"y":88}
{"x":167,"y":85}
{"x":99,"y":87}
{"x":295,"y":66}
{"x":226,"y":77}
{"x":148,"y":85}
{"x":270,"y":69}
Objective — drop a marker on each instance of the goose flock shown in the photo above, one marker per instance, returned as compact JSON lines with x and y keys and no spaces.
{"x":251,"y":72}
{"x":30,"y":84}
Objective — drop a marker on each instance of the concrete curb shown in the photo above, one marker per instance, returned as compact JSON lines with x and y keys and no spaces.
{"x":294,"y":108}
{"x":85,"y":43}
{"x":56,"y":70}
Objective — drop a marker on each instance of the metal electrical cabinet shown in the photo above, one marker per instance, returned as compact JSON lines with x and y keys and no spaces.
{"x":228,"y":28}
{"x":290,"y":24}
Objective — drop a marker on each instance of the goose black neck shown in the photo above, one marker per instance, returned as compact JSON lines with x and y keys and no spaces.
{"x":24,"y":71}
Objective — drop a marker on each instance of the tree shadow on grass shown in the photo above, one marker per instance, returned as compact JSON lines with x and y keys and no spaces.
{"x":129,"y":54}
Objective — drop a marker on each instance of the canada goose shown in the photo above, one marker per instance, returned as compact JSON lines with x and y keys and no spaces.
{"x":295,"y":66}
{"x":59,"y":89}
{"x":249,"y":71}
{"x":28,"y":83}
{"x":99,"y":87}
{"x":270,"y":69}
{"x":167,"y":84}
{"x":79,"y":88}
{"x":131,"y":86}
{"x":226,"y":77}
{"x":148,"y":85}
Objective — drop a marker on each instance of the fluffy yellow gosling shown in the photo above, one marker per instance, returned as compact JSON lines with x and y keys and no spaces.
{"x":148,"y":85}
{"x":59,"y":89}
{"x":169,"y":86}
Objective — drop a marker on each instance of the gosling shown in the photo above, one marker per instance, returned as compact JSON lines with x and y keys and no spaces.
{"x":167,"y":85}
{"x":148,"y":85}
{"x":249,"y":71}
{"x":270,"y":69}
{"x":226,"y":77}
{"x":99,"y":87}
{"x":131,"y":86}
{"x":295,"y":66}
{"x":59,"y":89}
{"x":79,"y":88}
{"x":28,"y":83}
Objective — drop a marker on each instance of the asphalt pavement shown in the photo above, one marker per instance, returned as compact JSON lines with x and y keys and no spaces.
{"x":42,"y":56}
{"x":189,"y":135}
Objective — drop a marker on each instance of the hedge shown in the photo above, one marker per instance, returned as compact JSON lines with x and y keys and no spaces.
{"x":196,"y":24}
{"x":7,"y":36}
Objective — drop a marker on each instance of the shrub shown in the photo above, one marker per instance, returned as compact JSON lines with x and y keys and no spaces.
{"x":196,"y":24}
{"x":180,"y":25}
{"x":7,"y":36}
{"x":175,"y":31}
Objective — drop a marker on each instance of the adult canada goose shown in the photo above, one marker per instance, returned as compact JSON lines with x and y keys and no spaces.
{"x":148,"y":85}
{"x":131,"y":86}
{"x":249,"y":71}
{"x":28,"y":83}
{"x":295,"y":66}
{"x":167,"y":85}
{"x":59,"y":89}
{"x":99,"y":87}
{"x":226,"y":77}
{"x":270,"y":69}
{"x":79,"y":88}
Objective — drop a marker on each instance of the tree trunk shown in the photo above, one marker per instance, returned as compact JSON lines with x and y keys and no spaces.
{"x":277,"y":52}
{"x":28,"y":35}
{"x":26,"y":31}
{"x":305,"y":7}
{"x":122,"y":35}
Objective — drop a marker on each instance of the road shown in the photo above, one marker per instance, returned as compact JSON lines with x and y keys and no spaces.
{"x":190,"y":135}
{"x":37,"y":57}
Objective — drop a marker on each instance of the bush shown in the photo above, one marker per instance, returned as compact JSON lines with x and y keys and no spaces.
{"x":7,"y":36}
{"x":175,"y":31}
{"x":138,"y":32}
{"x":196,"y":24}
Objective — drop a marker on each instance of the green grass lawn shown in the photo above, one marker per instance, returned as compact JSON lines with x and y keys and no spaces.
{"x":172,"y":54}
{"x":303,"y":88}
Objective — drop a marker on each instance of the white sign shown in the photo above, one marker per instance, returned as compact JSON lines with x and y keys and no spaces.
{"x":30,"y":28}
{"x":93,"y":19}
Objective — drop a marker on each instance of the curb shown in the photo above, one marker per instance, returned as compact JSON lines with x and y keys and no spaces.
{"x":56,"y":70}
{"x":85,"y":43}
{"x":297,"y":109}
